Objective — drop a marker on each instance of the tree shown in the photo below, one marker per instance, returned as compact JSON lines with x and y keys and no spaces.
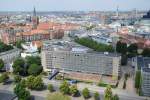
{"x":133,"y":48}
{"x":4,"y":77}
{"x":35,"y":83}
{"x":38,"y":83}
{"x":29,"y":82}
{"x":73,"y":90}
{"x":35,"y":69}
{"x":50,"y":87}
{"x":121,"y":47}
{"x":33,"y":60}
{"x":21,"y":92}
{"x":64,"y":88}
{"x":17,"y":78}
{"x":18,"y":44}
{"x":108,"y":93}
{"x":124,"y":59}
{"x":23,"y":83}
{"x":96,"y":96}
{"x":18,"y":66}
{"x":146,"y":52}
{"x":137,"y":79}
{"x":115,"y":97}
{"x":1,"y":64}
{"x":85,"y":93}
{"x":5,"y":47}
{"x":88,"y":42}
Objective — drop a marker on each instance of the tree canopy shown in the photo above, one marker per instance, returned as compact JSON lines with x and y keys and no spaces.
{"x":19,"y":66}
{"x":34,"y":69}
{"x":137,"y":79}
{"x":86,"y":93}
{"x":96,"y":96}
{"x":121,"y":47}
{"x":35,"y":83}
{"x":108,"y":93}
{"x":33,"y":60}
{"x":21,"y":92}
{"x":146,"y":52}
{"x":4,"y":77}
{"x":1,"y":64}
{"x":94,"y":45}
{"x":73,"y":90}
{"x":5,"y":47}
{"x":64,"y":88}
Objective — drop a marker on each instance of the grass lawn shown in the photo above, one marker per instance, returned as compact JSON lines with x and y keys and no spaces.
{"x":57,"y":96}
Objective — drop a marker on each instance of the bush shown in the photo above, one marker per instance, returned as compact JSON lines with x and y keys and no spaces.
{"x":85,"y":93}
{"x":4,"y":77}
{"x":96,"y":96}
{"x":101,"y":84}
{"x":50,"y":87}
{"x":17,"y":78}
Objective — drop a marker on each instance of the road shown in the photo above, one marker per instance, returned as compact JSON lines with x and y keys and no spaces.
{"x":123,"y":94}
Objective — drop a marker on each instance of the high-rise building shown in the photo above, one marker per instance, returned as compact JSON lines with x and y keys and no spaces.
{"x":68,"y":57}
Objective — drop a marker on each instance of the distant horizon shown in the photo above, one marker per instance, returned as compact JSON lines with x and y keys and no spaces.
{"x":79,"y":10}
{"x":73,"y":5}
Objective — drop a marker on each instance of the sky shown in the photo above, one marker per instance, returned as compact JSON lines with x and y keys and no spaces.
{"x":73,"y":5}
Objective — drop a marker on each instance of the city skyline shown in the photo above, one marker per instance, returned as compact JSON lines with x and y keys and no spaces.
{"x":73,"y":5}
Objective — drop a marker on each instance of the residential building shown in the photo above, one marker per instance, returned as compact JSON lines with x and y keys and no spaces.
{"x":9,"y":56}
{"x":68,"y":57}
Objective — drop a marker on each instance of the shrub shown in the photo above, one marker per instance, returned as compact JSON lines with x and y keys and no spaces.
{"x":73,"y":90}
{"x":64,"y":88}
{"x":96,"y":96}
{"x":50,"y":87}
{"x":4,"y":77}
{"x":85,"y":93}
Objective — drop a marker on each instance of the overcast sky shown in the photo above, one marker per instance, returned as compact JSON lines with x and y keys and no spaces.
{"x":73,"y":5}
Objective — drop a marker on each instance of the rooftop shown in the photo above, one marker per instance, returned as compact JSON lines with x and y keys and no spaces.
{"x":63,"y":46}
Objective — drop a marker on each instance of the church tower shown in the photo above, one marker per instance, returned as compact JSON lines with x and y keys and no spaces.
{"x":35,"y":19}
